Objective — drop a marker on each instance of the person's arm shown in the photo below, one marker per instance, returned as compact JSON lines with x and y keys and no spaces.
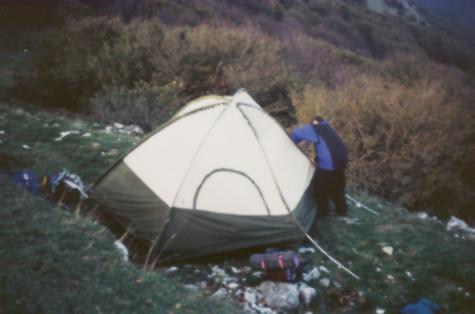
{"x":296,"y":137}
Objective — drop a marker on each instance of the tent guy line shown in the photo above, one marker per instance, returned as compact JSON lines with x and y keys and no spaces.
{"x":359,"y":204}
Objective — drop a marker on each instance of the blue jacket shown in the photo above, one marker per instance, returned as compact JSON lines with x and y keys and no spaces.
{"x":330,"y":150}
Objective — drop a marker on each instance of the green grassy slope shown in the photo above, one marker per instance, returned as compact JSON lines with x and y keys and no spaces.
{"x":52,"y":261}
{"x":427,"y":261}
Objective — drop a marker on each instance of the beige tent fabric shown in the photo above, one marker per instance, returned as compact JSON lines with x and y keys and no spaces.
{"x":223,"y":155}
{"x":162,"y":160}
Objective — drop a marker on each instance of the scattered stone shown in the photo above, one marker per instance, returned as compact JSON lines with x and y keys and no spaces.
{"x":118,"y":125}
{"x":279,"y":295}
{"x":350,"y":221}
{"x":250,"y":295}
{"x":307,"y":293}
{"x":191,"y":287}
{"x":171,"y":270}
{"x":325,"y":282}
{"x":409,"y":274}
{"x":112,"y":152}
{"x":217,"y":272}
{"x":123,"y":129}
{"x":95,"y":146}
{"x":390,"y":277}
{"x":324,"y":269}
{"x":64,"y":134}
{"x":380,"y":311}
{"x":233,"y":285}
{"x":456,"y":224}
{"x":306,"y":250}
{"x":2,"y":132}
{"x":220,"y":293}
{"x":422,"y":215}
{"x":25,"y":146}
{"x":86,"y":135}
{"x":311,"y":275}
{"x":388,"y":250}
{"x":235,"y":270}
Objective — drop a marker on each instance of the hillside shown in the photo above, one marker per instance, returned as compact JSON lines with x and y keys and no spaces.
{"x":49,"y":255}
{"x":459,"y":12}
{"x":397,"y":84}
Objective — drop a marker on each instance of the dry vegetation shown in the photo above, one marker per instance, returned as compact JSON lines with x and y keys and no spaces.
{"x":399,"y":93}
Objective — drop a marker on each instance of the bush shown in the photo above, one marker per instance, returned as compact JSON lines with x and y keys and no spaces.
{"x":406,"y":143}
{"x":144,"y":104}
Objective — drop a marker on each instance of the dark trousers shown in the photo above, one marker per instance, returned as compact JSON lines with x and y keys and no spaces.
{"x":329,"y":186}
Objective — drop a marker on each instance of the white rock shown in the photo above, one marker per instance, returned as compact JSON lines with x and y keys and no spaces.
{"x":86,"y":134}
{"x":388,"y":250}
{"x":422,"y":215}
{"x":25,"y":146}
{"x":235,"y":270}
{"x":233,"y":285}
{"x":458,"y":224}
{"x":325,"y":282}
{"x":171,"y":270}
{"x":64,"y":134}
{"x":380,"y":311}
{"x":2,"y":132}
{"x":217,"y":272}
{"x":378,"y":269}
{"x":123,"y":250}
{"x":108,"y":129}
{"x":261,"y":309}
{"x":324,"y":269}
{"x":307,"y":293}
{"x":118,"y":125}
{"x":220,"y":293}
{"x":191,"y":287}
{"x":350,"y":221}
{"x":311,"y":275}
{"x":409,"y":274}
{"x":250,"y":296}
{"x":390,"y":277}
{"x":280,"y":295}
{"x":305,"y":250}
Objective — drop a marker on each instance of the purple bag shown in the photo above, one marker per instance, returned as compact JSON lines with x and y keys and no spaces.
{"x":279,"y":266}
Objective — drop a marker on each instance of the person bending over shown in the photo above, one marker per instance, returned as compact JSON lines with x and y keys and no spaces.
{"x":331,"y":158}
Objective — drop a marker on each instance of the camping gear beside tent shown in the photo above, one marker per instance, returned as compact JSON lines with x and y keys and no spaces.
{"x":278,"y":266}
{"x":221,"y":175}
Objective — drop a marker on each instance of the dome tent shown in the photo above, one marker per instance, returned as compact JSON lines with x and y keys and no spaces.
{"x":220,"y":175}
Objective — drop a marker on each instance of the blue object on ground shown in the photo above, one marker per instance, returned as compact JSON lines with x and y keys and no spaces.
{"x":27,"y":179}
{"x":423,"y":306}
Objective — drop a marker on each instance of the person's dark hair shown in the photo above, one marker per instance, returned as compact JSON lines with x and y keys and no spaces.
{"x":317,"y":118}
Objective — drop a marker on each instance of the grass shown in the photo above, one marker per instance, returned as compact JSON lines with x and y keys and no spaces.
{"x":427,"y":261}
{"x":52,"y":261}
